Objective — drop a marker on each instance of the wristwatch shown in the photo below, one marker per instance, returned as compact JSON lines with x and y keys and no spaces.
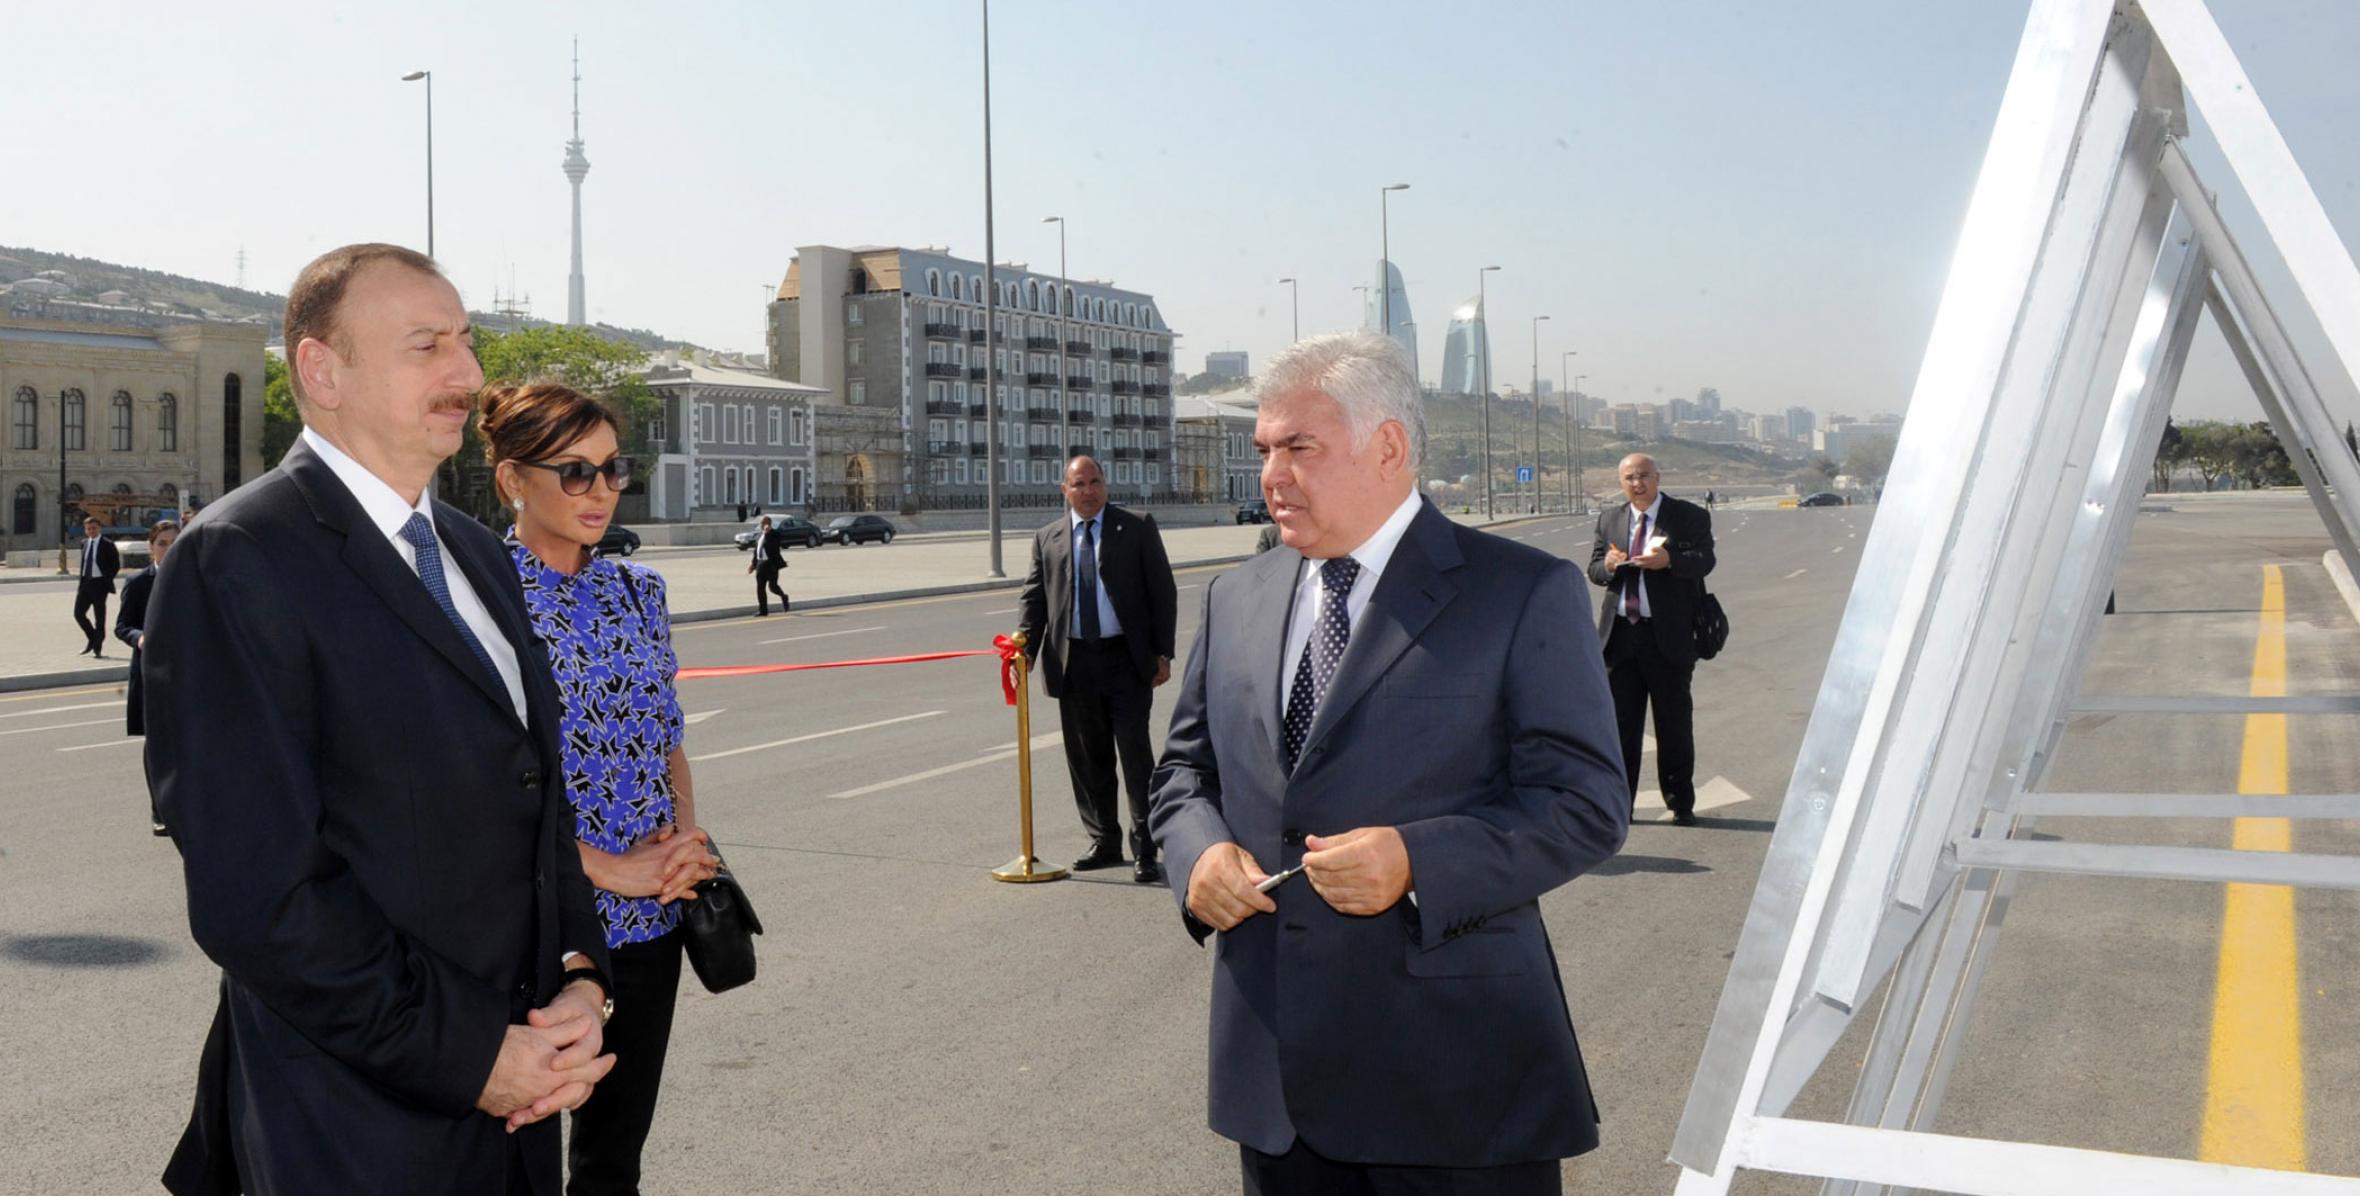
{"x":590,"y":972}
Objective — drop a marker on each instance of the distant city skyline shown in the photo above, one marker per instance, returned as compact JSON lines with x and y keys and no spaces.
{"x":1778,"y":233}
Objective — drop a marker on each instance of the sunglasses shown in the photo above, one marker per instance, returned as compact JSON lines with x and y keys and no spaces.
{"x":573,"y":477}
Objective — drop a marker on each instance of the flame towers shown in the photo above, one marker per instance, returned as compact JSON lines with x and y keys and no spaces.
{"x":577,"y":166}
{"x":1405,"y":328}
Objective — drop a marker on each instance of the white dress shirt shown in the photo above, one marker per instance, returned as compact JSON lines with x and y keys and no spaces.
{"x":1311,"y":589}
{"x":1653,"y":512}
{"x":387,"y":510}
{"x":1108,"y":624}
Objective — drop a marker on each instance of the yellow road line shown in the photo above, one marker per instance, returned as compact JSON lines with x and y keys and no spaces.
{"x":2253,"y":1107}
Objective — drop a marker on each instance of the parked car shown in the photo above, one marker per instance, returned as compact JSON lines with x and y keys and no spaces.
{"x":795,"y":528}
{"x":1822,"y":499}
{"x":618,"y":539}
{"x":1253,"y":510}
{"x":854,"y":529}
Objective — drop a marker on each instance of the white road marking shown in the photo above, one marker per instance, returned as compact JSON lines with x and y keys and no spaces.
{"x":1193,"y":586}
{"x":701,"y":716}
{"x":1838,"y":548}
{"x":1797,"y":573}
{"x":1052,"y":739}
{"x":108,"y":744}
{"x":60,"y":726}
{"x":993,"y":614}
{"x":821,"y":635}
{"x":1712,"y":795}
{"x":60,"y":709}
{"x":907,"y":718}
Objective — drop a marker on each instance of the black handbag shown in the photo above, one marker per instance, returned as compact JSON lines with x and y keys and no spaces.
{"x":718,"y":930}
{"x":1711,"y":626}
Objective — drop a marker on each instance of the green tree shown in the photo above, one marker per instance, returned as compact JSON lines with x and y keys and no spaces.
{"x":576,"y":357}
{"x":281,"y":420}
{"x":1870,"y":460}
{"x":1819,"y":472}
{"x":2257,"y":457}
{"x":2169,"y":454}
{"x":2207,"y":447}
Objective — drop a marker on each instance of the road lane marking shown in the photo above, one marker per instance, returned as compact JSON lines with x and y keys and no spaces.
{"x":1797,"y":573}
{"x":91,"y":747}
{"x":1838,"y":548}
{"x":700,"y":716}
{"x":778,"y":743}
{"x":1712,"y":795}
{"x":60,"y":727}
{"x":821,"y":635}
{"x":59,"y":709}
{"x":51,"y":695}
{"x":994,"y":614}
{"x":2253,"y":1102}
{"x":1008,"y":752}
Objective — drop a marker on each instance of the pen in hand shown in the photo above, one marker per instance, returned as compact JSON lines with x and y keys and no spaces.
{"x":1278,"y":880}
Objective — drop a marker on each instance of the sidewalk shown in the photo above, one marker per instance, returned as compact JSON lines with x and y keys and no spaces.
{"x":39,"y":642}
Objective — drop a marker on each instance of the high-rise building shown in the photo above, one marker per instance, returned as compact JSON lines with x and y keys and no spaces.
{"x":1799,"y":423}
{"x":577,"y":167}
{"x":1227,"y":363}
{"x":1405,"y":326}
{"x":1466,"y":351}
{"x":902,"y":333}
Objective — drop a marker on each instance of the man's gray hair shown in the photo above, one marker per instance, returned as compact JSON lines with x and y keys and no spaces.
{"x":1367,"y":373}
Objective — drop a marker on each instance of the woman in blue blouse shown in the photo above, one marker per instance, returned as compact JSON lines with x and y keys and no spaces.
{"x":558,"y":465}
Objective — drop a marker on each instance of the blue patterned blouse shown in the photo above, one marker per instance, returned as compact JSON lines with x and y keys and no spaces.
{"x":610,"y":645}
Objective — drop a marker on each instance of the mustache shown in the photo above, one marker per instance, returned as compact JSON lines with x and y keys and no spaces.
{"x":462,"y":402}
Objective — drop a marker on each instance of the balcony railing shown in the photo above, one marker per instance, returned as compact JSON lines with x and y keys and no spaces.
{"x":944,"y":448}
{"x":1078,"y":348}
{"x":1155,"y":454}
{"x":979,"y":407}
{"x":1077,"y":381}
{"x":941,"y":369}
{"x":1123,"y":386}
{"x":946,"y":331}
{"x":1155,"y":357}
{"x":1124,"y":454}
{"x":1036,"y":379}
{"x":1123,"y":353}
{"x":1041,"y":410}
{"x":945,"y":407}
{"x":1124,"y":419}
{"x":975,"y":373}
{"x":978,"y":447}
{"x":975,"y":335}
{"x":1046,"y":344}
{"x":1081,"y":410}
{"x":1161,"y":390}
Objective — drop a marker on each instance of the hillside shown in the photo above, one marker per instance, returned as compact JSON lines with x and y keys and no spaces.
{"x":1454,"y":436}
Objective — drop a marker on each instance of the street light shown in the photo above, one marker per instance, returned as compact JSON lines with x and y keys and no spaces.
{"x":1064,"y":424}
{"x":991,"y":315}
{"x":1581,"y":491}
{"x":428,"y":76}
{"x":1483,"y":317}
{"x":1572,"y":457}
{"x":1385,"y":264}
{"x":1536,"y":413}
{"x":1296,"y":301}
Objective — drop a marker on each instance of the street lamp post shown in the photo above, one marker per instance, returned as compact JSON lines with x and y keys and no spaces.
{"x":1581,"y":491}
{"x":1483,"y":317}
{"x":428,"y":76}
{"x":1295,"y":301}
{"x":1565,"y":377}
{"x":991,"y":315}
{"x":1536,"y":413}
{"x":1385,"y":248}
{"x":1064,"y":417}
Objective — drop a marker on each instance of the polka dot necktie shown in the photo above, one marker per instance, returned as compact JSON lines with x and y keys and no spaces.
{"x":1321,"y":654}
{"x":420,"y":534}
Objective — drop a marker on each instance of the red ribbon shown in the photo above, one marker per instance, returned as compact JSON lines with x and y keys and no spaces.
{"x":1002,"y":646}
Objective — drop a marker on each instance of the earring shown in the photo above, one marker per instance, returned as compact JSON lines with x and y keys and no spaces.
{"x":520,"y":504}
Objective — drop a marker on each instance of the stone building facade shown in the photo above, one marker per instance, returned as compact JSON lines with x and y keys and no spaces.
{"x":1217,"y":458}
{"x":728,"y":436}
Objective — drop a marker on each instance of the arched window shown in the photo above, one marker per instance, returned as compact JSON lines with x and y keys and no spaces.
{"x":233,"y":420}
{"x":778,"y":486}
{"x":1032,"y":295}
{"x":1100,"y":307}
{"x":958,"y":288}
{"x":25,"y":417}
{"x":729,"y":484}
{"x":933,"y":281}
{"x":171,"y":496}
{"x":73,"y":505}
{"x":168,"y":423}
{"x":795,"y":485}
{"x":123,"y":488}
{"x":119,"y":422}
{"x":975,"y":286}
{"x":21,"y":516}
{"x":75,"y":438}
{"x":1069,"y":301}
{"x":795,"y":424}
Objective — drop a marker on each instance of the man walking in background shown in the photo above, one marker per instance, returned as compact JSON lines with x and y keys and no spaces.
{"x":1651,"y":554}
{"x":100,"y":563}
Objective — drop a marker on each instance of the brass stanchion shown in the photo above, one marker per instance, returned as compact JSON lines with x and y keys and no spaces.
{"x":1024,"y":869}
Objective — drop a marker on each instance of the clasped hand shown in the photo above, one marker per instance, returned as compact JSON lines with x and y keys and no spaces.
{"x":667,"y":865}
{"x":549,"y":1064}
{"x":1362,"y":872}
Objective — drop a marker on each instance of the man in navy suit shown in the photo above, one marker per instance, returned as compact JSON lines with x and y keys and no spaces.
{"x":1413,"y":714}
{"x":100,"y":562}
{"x":353,"y":737}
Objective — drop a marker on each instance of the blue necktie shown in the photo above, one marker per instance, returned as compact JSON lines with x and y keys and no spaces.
{"x":420,"y":534}
{"x":1321,"y":654}
{"x":1085,"y":584}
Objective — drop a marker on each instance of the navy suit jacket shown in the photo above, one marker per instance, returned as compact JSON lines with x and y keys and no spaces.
{"x":378,"y":854}
{"x":1133,"y":571}
{"x":1470,"y":711}
{"x":1674,"y":592}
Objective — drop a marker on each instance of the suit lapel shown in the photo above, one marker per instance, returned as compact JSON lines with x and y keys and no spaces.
{"x":368,"y":554}
{"x":1413,"y":589}
{"x":1061,"y":579}
{"x":1269,"y":604}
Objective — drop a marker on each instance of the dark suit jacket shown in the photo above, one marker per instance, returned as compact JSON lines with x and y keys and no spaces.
{"x":1136,"y":576}
{"x":110,"y":562}
{"x":1672,"y":593}
{"x":378,"y":854}
{"x":130,"y":617}
{"x":1470,"y":711}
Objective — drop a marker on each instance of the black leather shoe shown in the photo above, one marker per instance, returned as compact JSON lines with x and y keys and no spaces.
{"x":1148,"y":872}
{"x":1683,"y":818}
{"x":1102,"y":857}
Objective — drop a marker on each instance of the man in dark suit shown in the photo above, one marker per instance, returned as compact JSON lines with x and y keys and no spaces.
{"x":100,"y":563}
{"x":1651,"y":554}
{"x":1100,"y":611}
{"x":353,"y":737}
{"x":1410,"y":713}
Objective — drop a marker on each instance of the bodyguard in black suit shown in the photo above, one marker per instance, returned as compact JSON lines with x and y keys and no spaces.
{"x":1652,"y":554}
{"x":1099,"y":620}
{"x":100,"y":563}
{"x":354,"y":739}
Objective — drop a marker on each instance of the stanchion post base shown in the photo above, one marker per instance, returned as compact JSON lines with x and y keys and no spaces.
{"x":1025,"y":870}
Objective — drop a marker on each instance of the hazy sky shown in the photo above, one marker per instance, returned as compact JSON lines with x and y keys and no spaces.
{"x":1756,"y":197}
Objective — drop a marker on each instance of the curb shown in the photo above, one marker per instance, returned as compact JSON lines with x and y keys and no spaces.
{"x":115,"y":674}
{"x":2342,"y":574}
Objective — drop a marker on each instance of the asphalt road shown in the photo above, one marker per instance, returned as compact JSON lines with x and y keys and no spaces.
{"x":919,"y":1028}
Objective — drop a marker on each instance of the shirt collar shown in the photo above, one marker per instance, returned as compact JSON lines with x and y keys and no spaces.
{"x":378,"y":500}
{"x":1653,"y":509}
{"x":1074,"y":521}
{"x":1376,"y":552}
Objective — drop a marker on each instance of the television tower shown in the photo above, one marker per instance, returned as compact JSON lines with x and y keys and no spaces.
{"x":576,"y":167}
